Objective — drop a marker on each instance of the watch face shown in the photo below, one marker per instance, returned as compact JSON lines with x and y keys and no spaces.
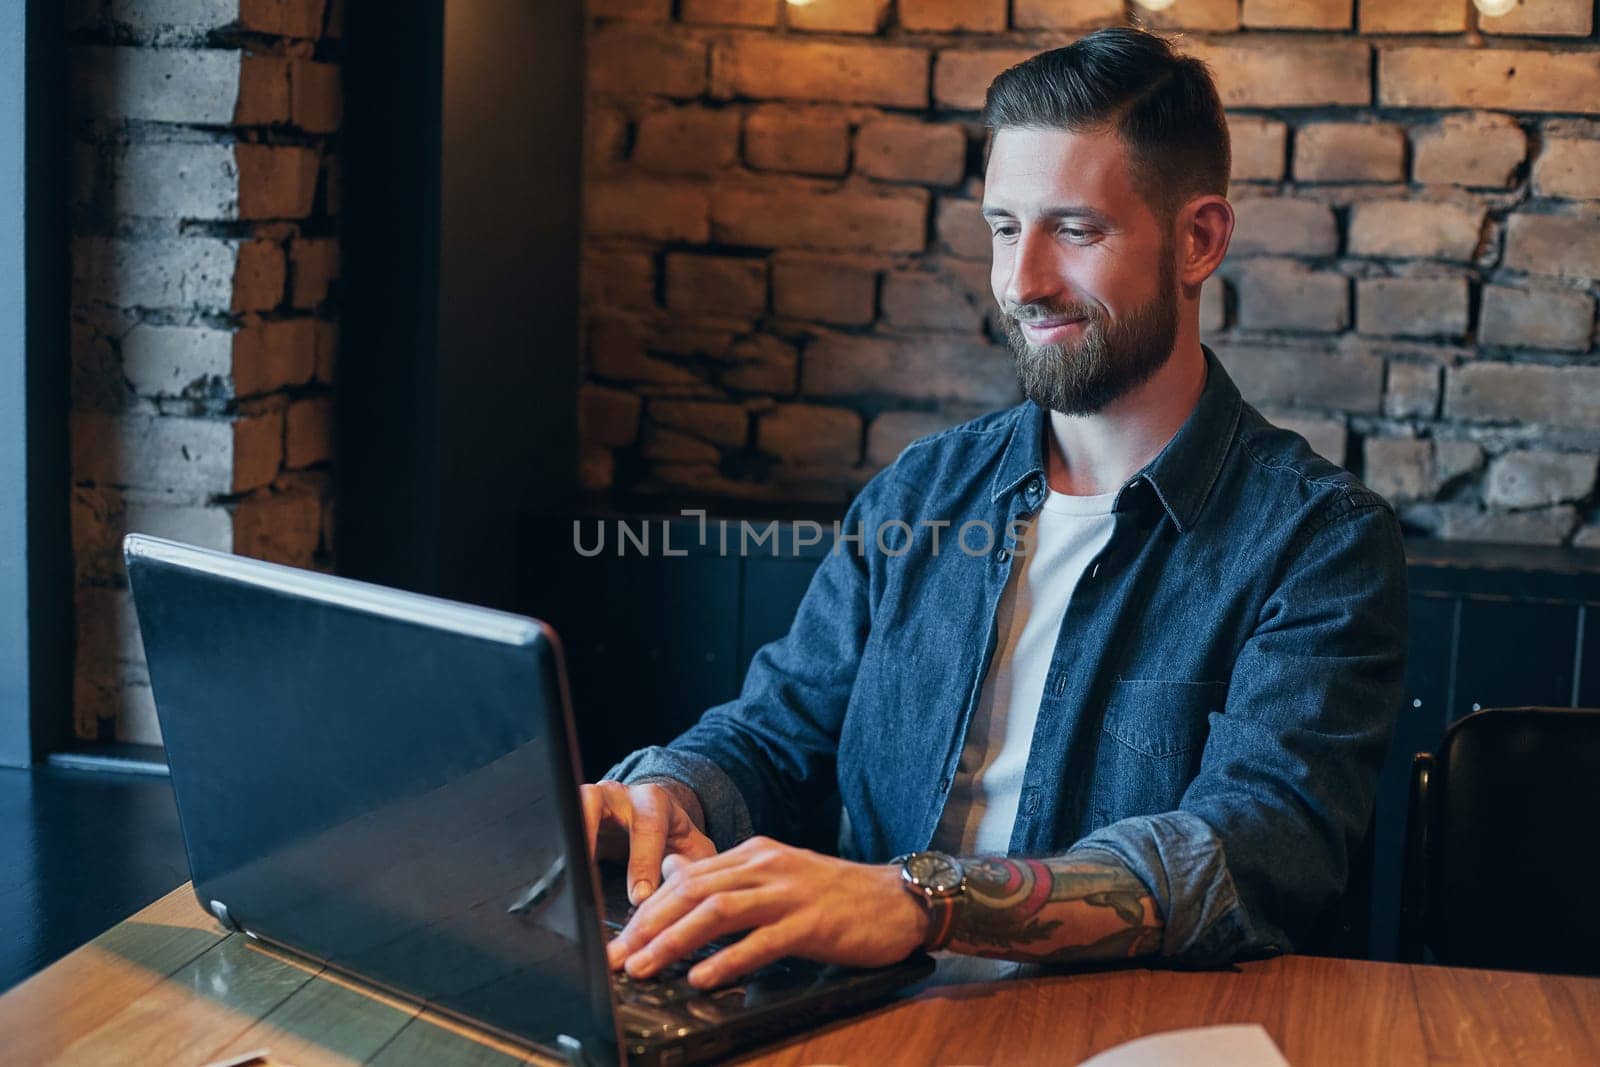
{"x":935,"y":871}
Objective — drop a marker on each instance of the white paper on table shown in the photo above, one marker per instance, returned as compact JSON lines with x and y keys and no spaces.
{"x":1233,"y":1045}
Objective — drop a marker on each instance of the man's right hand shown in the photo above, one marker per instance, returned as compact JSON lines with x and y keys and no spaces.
{"x":644,"y":823}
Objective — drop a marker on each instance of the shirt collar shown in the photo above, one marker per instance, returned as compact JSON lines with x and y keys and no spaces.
{"x":1182,"y":474}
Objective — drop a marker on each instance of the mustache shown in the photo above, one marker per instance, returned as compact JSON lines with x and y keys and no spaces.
{"x":1043,"y":312}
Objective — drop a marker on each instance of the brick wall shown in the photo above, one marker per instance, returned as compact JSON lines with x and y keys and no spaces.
{"x":786,"y":273}
{"x":204,"y":270}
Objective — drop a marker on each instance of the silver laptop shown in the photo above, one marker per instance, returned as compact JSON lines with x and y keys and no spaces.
{"x":387,"y":783}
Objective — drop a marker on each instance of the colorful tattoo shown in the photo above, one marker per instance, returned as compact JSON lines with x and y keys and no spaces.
{"x":1035,"y":909}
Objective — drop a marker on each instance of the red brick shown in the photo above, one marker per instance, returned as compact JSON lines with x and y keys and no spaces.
{"x":1073,"y":15}
{"x":1499,"y":78}
{"x":316,"y":266}
{"x":316,"y":96}
{"x":263,"y":91}
{"x":963,"y":230}
{"x":787,"y":213}
{"x":838,"y":16}
{"x":663,"y":444}
{"x":721,"y":285}
{"x":636,"y":10}
{"x":1415,"y":229}
{"x":596,"y":468}
{"x":327,"y":350}
{"x":1285,"y":74}
{"x":629,"y":60}
{"x":1215,"y":15}
{"x":1536,"y":318}
{"x":1349,"y":152}
{"x":308,"y":432}
{"x":731,"y":12}
{"x":1283,"y":226}
{"x":605,"y":137}
{"x":286,"y":18}
{"x":260,"y":276}
{"x":910,"y":151}
{"x":1481,"y":150}
{"x":619,"y":279}
{"x":1558,"y":245}
{"x":1568,"y":166}
{"x":932,"y":368}
{"x":281,"y":526}
{"x":768,"y":69}
{"x":617,"y":350}
{"x":797,"y":140}
{"x":961,"y":78}
{"x":722,"y":424}
{"x":1259,"y":146}
{"x":607,"y":416}
{"x":1296,"y":14}
{"x":824,"y":290}
{"x":1543,"y":18}
{"x":268,"y":356}
{"x":944,"y":16}
{"x":1414,"y":16}
{"x":276,"y":182}
{"x":1412,"y":307}
{"x":810,"y":433}
{"x":687,"y":140}
{"x":919,"y":300}
{"x":257,"y":450}
{"x":760,"y":364}
{"x":655,"y":210}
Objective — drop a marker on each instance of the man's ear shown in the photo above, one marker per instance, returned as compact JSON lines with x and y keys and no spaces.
{"x":1205,"y":226}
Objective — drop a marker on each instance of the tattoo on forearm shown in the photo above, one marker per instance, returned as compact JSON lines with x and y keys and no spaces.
{"x":1054,"y":909}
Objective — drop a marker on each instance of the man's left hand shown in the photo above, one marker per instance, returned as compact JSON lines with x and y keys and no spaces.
{"x":794,"y":903}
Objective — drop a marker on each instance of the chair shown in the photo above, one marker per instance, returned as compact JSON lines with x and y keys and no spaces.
{"x":1502,"y":865}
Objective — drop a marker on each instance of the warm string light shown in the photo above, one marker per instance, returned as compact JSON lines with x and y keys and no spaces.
{"x":1496,"y":8}
{"x":1155,"y":5}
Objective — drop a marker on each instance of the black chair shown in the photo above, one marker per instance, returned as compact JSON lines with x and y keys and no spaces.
{"x":1502,"y":864}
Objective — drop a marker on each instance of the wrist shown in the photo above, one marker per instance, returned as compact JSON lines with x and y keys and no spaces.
{"x":909,"y":914}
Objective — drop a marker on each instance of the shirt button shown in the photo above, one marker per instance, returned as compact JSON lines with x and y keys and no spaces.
{"x":1002,"y":555}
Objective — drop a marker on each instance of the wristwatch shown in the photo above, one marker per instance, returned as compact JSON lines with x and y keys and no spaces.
{"x":937,"y":880}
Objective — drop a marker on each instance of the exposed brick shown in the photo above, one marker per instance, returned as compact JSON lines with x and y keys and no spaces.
{"x":962,"y":230}
{"x":1349,"y":152}
{"x":326,"y":348}
{"x":629,"y":60}
{"x":1055,"y":15}
{"x":1413,"y":16}
{"x":1283,"y":226}
{"x":276,"y":182}
{"x":961,"y":77}
{"x":723,"y":424}
{"x":287,"y":18}
{"x":265,"y":95}
{"x":173,"y":360}
{"x":596,"y":468}
{"x":761,"y":364}
{"x":198,"y":86}
{"x":308,"y":432}
{"x":1283,"y":74}
{"x":1499,"y":78}
{"x":810,"y":433}
{"x":270,"y":355}
{"x":1415,"y":229}
{"x":659,"y":443}
{"x":261,"y":273}
{"x":1453,"y":460}
{"x":1412,"y":392}
{"x":1305,"y":377}
{"x":165,"y":273}
{"x":316,"y":96}
{"x":943,"y":369}
{"x":1214,"y":15}
{"x":1558,"y":245}
{"x":1543,"y":18}
{"x":918,"y":300}
{"x":607,"y":416}
{"x":1588,"y":537}
{"x":283,"y":526}
{"x":647,"y":208}
{"x":721,"y":285}
{"x":100,"y":517}
{"x":636,"y":10}
{"x":1538,"y":479}
{"x":945,"y":16}
{"x":1482,"y":150}
{"x":1398,"y":468}
{"x":316,"y":266}
{"x":619,"y":279}
{"x":731,"y":12}
{"x":174,"y":453}
{"x":1259,"y":148}
{"x":1550,"y":396}
{"x":1287,"y":296}
{"x":789,"y":214}
{"x":778,"y":69}
{"x":1549,"y":526}
{"x":605,"y":136}
{"x":797,"y":140}
{"x":1412,"y":307}
{"x":687,"y":140}
{"x":1568,"y":167}
{"x":910,"y":151}
{"x":617,"y":350}
{"x":822,"y":290}
{"x":890,"y":433}
{"x":1536,"y":318}
{"x":178,"y":181}
{"x":838,"y":16}
{"x":1296,"y":14}
{"x":1328,"y":438}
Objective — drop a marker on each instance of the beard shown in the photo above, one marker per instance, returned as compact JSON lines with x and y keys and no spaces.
{"x":1112,"y":358}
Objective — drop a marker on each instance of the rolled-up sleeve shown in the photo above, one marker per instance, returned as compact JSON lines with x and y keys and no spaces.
{"x":1262,"y":840}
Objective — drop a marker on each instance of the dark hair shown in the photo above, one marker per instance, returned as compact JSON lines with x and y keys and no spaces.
{"x":1164,"y":106}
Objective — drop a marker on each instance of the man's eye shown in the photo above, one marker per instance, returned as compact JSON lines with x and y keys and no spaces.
{"x":1077,"y":233}
{"x":1005,"y":231}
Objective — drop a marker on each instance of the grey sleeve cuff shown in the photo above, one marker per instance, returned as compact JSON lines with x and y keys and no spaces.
{"x":727,"y":817}
{"x":1181,"y":859}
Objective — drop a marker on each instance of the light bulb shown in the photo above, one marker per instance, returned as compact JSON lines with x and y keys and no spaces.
{"x":1155,"y":5}
{"x":800,"y":3}
{"x":1496,"y":8}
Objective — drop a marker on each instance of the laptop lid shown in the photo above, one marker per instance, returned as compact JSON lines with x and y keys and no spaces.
{"x":383,"y":782}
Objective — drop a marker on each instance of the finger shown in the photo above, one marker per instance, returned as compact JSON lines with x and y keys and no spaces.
{"x":677,"y":897}
{"x":717,"y":915}
{"x":760,"y":947}
{"x":612,"y":808}
{"x":647,"y":840}
{"x":686,"y":838}
{"x":592,"y":803}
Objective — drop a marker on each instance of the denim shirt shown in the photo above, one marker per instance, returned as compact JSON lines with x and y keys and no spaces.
{"x":1220,"y":697}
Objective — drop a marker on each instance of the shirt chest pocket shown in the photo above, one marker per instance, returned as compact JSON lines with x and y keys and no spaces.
{"x":1151,"y":740}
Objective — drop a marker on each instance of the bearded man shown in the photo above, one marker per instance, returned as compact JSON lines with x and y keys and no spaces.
{"x":1147,"y":719}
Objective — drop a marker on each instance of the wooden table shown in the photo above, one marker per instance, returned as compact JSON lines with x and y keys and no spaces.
{"x":169,"y":986}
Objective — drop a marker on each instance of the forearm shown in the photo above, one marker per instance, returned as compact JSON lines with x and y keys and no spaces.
{"x":1077,"y":906}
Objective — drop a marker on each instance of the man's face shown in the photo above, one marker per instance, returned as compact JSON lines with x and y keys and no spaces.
{"x":1084,"y":271}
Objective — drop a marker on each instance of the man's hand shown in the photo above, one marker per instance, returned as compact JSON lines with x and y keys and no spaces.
{"x":646,"y":824}
{"x":793,"y":902}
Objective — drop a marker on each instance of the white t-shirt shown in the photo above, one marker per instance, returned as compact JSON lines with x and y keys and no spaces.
{"x":1057,"y":546}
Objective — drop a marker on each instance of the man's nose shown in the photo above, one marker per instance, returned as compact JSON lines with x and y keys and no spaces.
{"x":1033,"y":276}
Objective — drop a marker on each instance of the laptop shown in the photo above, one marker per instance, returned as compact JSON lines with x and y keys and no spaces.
{"x":387,"y":784}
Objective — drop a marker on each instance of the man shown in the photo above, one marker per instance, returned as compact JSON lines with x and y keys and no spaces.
{"x":1146,"y":719}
